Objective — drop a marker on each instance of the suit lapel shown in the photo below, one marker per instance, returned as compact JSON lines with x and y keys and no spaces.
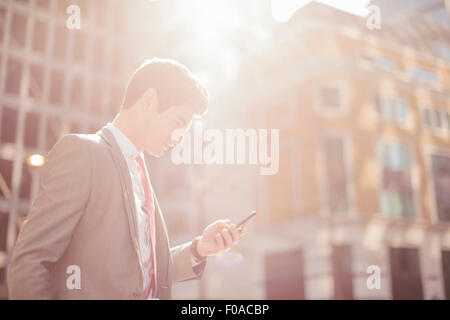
{"x":127,"y":188}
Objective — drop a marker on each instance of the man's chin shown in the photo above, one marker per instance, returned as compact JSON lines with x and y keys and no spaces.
{"x":157,"y":153}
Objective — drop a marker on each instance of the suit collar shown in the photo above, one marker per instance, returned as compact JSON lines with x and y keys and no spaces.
{"x":127,"y":147}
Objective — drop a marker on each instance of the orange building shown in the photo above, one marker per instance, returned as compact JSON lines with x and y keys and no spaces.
{"x":364,"y":179}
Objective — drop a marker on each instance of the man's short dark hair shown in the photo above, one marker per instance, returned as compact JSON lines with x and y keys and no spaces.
{"x":174,"y":83}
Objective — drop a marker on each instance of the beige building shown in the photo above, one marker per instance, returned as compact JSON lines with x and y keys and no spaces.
{"x":364,"y":118}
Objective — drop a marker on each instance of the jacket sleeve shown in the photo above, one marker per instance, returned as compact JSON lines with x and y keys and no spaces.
{"x":183,"y":269}
{"x":54,"y":214}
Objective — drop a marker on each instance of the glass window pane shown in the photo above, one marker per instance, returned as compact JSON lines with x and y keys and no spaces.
{"x":437,"y":119}
{"x":426,"y":118}
{"x":441,"y":180}
{"x":32,"y":130}
{"x":13,"y":76}
{"x":9,"y":123}
{"x":396,"y":193}
{"x":2,"y":22}
{"x":18,"y":28}
{"x":60,"y":42}
{"x":36,"y":82}
{"x":401,"y":110}
{"x":56,"y":87}
{"x":25,"y":183}
{"x":39,"y":36}
{"x":6,"y":168}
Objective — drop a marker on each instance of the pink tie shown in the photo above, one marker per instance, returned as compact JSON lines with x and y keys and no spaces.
{"x":149,"y":205}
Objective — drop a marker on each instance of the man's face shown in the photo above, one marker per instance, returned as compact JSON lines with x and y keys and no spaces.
{"x":163,"y":129}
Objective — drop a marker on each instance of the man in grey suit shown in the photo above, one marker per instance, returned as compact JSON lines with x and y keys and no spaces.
{"x":95,"y":229}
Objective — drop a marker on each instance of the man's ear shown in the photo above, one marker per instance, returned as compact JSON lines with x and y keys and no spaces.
{"x":150,"y":98}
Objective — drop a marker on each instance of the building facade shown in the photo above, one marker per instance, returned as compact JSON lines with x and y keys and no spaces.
{"x":359,"y":206}
{"x":364,"y":118}
{"x":53,"y":81}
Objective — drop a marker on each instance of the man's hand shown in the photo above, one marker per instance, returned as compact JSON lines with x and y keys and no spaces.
{"x":219,"y":236}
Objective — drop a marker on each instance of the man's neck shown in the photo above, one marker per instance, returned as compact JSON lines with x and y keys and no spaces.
{"x":124,"y":123}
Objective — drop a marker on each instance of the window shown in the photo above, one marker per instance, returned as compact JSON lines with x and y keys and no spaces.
{"x":35,"y":88}
{"x":57,"y":85}
{"x":424,"y":75}
{"x":39,"y":36}
{"x":25,"y":183}
{"x":284,"y":275}
{"x":447,"y":119}
{"x":8,"y":125}
{"x":384,"y":63}
{"x":391,"y":109}
{"x":13,"y":76}
{"x":405,"y":271}
{"x":2,"y":22}
{"x":442,"y":50}
{"x":330,"y":98}
{"x":6,"y":168}
{"x":441,"y":180}
{"x":342,"y":272}
{"x":18,"y":27}
{"x":396,"y":192}
{"x":336,"y":175}
{"x":435,"y":118}
{"x":60,"y":42}
{"x":32,"y":129}
{"x":446,"y":272}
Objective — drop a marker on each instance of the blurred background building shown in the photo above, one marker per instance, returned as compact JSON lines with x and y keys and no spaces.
{"x":364,"y":119}
{"x":437,"y":10}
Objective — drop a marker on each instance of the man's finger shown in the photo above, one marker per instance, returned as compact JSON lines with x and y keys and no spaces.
{"x":243,"y":229}
{"x":220,"y":242}
{"x":234,"y":233}
{"x":226,"y":235}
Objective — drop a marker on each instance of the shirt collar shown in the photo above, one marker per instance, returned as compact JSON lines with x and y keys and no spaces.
{"x":127,"y":147}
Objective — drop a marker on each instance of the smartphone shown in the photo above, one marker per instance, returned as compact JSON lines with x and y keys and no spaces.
{"x":251,"y":215}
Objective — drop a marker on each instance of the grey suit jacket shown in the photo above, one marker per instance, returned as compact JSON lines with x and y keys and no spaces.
{"x":84,"y":215}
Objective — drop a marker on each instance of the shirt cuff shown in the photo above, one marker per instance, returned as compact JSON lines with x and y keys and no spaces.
{"x":195,"y":263}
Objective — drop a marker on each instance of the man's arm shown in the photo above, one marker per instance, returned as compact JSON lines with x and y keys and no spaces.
{"x":63,"y":194}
